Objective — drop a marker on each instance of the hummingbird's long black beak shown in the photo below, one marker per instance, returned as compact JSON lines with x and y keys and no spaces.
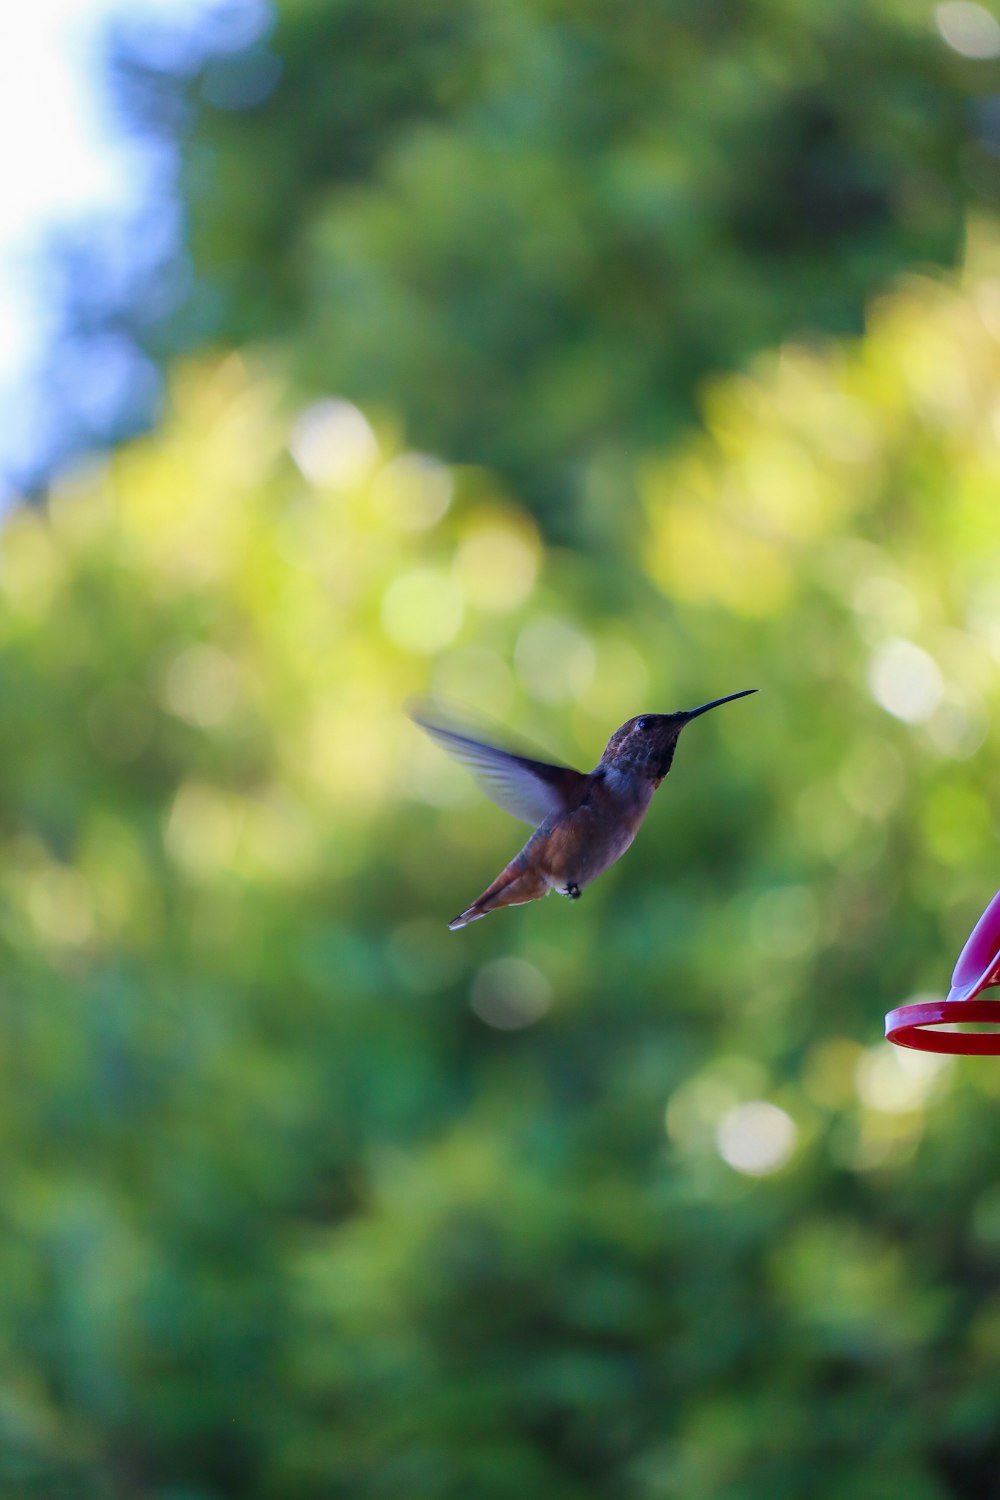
{"x":694,"y":712}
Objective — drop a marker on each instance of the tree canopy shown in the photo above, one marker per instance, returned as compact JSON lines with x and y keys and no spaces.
{"x":533,"y":229}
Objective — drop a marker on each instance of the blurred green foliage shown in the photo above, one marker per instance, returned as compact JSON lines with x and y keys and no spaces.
{"x":305,"y":1196}
{"x":533,"y":228}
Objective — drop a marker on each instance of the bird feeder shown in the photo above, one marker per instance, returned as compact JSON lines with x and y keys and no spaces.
{"x":977,"y":970}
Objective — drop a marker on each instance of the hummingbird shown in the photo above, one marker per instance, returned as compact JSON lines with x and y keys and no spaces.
{"x":584,"y":820}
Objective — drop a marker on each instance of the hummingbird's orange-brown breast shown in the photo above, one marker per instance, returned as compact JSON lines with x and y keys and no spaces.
{"x":578,"y":846}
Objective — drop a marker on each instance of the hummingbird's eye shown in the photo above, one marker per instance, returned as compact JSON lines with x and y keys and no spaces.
{"x":644,"y":723}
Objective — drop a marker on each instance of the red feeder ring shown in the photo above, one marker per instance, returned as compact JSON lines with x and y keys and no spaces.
{"x":978,"y":969}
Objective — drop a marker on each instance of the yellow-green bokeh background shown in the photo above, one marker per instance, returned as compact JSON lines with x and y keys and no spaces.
{"x":304,"y":1195}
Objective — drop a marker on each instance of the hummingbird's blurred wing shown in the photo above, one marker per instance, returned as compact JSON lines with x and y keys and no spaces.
{"x":530,"y":789}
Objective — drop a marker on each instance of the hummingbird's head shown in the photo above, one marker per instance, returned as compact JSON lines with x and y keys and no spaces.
{"x":644,"y":746}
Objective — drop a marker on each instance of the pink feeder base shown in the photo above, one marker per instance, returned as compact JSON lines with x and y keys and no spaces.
{"x":978,"y":968}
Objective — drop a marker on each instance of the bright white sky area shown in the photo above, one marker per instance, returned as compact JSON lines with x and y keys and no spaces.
{"x":65,"y":158}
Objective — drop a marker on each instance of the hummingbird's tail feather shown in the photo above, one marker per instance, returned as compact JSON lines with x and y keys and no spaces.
{"x":512,"y":887}
{"x":470,"y":914}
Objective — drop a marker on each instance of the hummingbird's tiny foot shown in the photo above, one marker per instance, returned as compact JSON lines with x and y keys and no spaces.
{"x":573,"y":891}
